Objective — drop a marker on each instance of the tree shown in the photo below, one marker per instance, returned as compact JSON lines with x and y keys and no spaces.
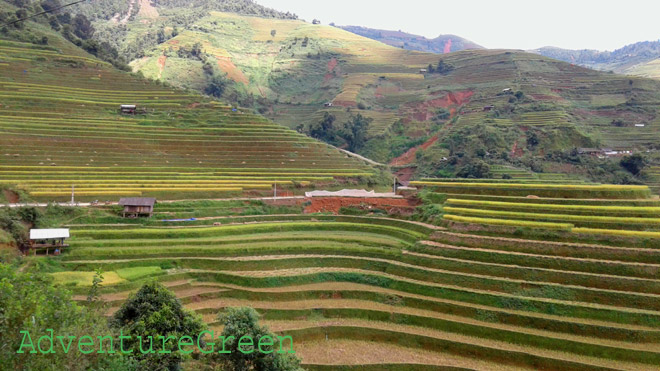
{"x":273,"y":33}
{"x":175,"y":31}
{"x":30,"y":303}
{"x":444,"y":68}
{"x":208,"y":69}
{"x":355,"y":132}
{"x":96,"y":286}
{"x":324,"y":130}
{"x":532,"y":140}
{"x":155,"y":311}
{"x":161,"y":35}
{"x":50,"y":5}
{"x":475,"y":169}
{"x":82,"y":27}
{"x":240,"y":322}
{"x":216,"y":86}
{"x":634,"y":163}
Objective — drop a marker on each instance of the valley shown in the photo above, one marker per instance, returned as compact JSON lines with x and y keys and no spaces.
{"x":513,"y":221}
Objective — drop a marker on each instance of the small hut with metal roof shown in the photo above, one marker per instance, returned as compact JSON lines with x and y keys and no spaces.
{"x":47,"y":239}
{"x":137,"y":206}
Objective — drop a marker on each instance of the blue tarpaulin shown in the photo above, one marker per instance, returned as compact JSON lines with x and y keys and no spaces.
{"x":179,"y":220}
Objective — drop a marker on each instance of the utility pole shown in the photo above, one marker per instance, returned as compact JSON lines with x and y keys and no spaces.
{"x":73,"y":190}
{"x":275,"y":192}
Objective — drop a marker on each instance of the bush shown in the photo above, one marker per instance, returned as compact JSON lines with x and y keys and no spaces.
{"x":155,"y":311}
{"x":634,"y":163}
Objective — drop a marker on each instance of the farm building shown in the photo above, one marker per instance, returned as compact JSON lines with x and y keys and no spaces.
{"x":137,"y":206}
{"x":131,"y":109}
{"x":328,"y":104}
{"x":589,"y":151}
{"x":488,"y":108}
{"x":49,"y":239}
{"x":128,"y":109}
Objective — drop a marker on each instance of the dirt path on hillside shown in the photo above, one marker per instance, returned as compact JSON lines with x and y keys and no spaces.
{"x":423,"y":112}
{"x":147,"y":10}
{"x":409,"y":156}
{"x":115,"y":19}
{"x":11,"y":196}
{"x":161,"y":65}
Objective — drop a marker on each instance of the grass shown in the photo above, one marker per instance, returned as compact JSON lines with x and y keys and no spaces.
{"x":137,"y":272}
{"x":84,"y":278}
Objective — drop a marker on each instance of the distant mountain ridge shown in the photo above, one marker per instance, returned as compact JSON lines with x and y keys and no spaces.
{"x":441,"y":44}
{"x":631,"y":59}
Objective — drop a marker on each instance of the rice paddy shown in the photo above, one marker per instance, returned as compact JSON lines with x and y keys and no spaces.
{"x":380,"y":281}
{"x":59,"y":134}
{"x":536,"y":272}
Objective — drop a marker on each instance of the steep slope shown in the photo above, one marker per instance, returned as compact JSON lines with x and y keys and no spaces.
{"x":446,"y":114}
{"x":442,"y":44}
{"x":60,"y":126}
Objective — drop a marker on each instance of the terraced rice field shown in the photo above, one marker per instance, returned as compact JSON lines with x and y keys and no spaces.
{"x":583,"y":209}
{"x":59,"y":128}
{"x":432,"y":296}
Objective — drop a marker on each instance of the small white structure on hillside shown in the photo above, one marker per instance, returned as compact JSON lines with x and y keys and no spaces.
{"x":349,"y":193}
{"x":49,"y":239}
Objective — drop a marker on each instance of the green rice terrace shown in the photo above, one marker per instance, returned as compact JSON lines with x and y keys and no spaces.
{"x":59,"y":127}
{"x":535,"y":264}
{"x":296,"y":73}
{"x":567,"y":279}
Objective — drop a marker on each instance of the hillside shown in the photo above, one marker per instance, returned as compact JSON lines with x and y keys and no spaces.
{"x":540,"y":268}
{"x":289,"y":70}
{"x":442,"y":44}
{"x":506,"y":281}
{"x":640,"y":59}
{"x":60,"y":127}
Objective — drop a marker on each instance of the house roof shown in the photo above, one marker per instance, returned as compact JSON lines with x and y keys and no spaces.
{"x":349,"y":193}
{"x":128,"y":106}
{"x":45,"y":234}
{"x":137,"y":201}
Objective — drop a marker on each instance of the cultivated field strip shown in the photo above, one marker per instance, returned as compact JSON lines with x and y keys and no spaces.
{"x":51,"y":124}
{"x":327,"y":277}
{"x":627,"y":215}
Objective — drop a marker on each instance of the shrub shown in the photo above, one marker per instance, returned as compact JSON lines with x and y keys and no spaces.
{"x":155,"y":311}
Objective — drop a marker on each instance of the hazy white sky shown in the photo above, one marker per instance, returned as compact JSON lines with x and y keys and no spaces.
{"x":514,"y":24}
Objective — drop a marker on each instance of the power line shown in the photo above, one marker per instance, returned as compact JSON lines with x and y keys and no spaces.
{"x":44,"y":12}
